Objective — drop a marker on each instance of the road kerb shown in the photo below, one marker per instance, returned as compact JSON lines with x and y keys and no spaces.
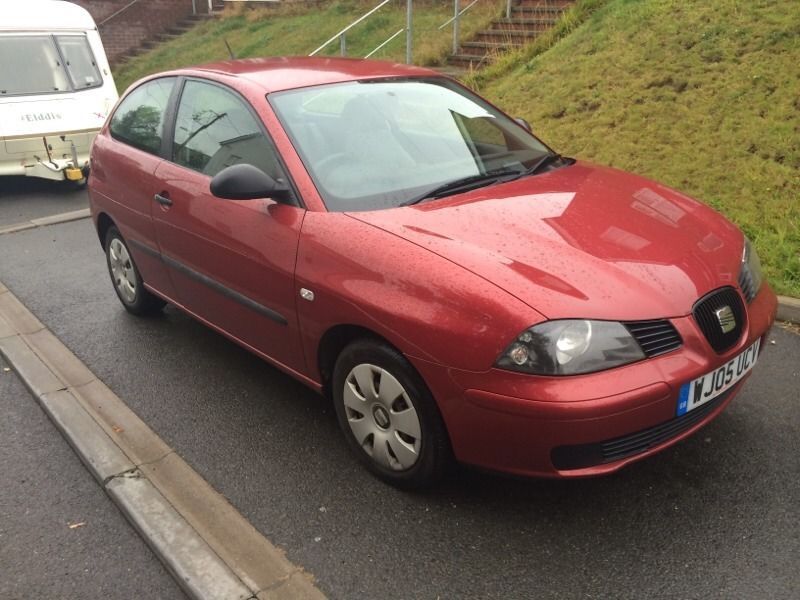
{"x":195,"y":566}
{"x":19,"y":317}
{"x":100,"y":454}
{"x":258,"y":564}
{"x":5,"y":329}
{"x":57,"y":357}
{"x":789,"y":309}
{"x":296,"y":587}
{"x":66,"y":217}
{"x":140,"y":443}
{"x":211,"y":549}
{"x":34,"y":373}
{"x":75,"y":215}
{"x":17,"y":228}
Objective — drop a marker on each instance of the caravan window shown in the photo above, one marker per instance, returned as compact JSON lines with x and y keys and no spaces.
{"x":30,"y":65}
{"x":80,"y":62}
{"x":44,"y":64}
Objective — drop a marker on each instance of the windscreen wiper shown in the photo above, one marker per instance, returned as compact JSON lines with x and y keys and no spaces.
{"x":543,"y":162}
{"x":465,"y":184}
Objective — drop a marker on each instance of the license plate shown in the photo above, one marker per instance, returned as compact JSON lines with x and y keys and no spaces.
{"x":709,"y":386}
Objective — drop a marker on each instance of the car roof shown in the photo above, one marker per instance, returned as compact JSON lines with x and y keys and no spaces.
{"x":285,"y":73}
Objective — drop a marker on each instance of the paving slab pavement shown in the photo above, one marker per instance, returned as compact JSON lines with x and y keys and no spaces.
{"x":203,"y":541}
{"x":60,"y":535}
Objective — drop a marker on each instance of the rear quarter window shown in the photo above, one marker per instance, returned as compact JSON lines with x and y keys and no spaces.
{"x":139,"y":119}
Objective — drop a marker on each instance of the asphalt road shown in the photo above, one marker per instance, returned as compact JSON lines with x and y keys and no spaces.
{"x":26,"y":198}
{"x":45,"y":490}
{"x":714,"y":517}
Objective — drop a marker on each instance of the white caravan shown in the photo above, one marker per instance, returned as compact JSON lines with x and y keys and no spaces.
{"x":55,"y":89}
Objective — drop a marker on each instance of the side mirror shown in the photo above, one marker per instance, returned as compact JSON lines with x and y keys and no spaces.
{"x":246,"y":182}
{"x":524,"y":123}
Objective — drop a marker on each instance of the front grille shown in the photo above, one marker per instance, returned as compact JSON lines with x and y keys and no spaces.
{"x":705,"y":314}
{"x":588,"y":455}
{"x":654,"y":337}
{"x":747,"y":284}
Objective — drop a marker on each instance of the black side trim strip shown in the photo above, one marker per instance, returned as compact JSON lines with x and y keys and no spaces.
{"x":213,"y":284}
{"x":226,"y":291}
{"x":144,"y":248}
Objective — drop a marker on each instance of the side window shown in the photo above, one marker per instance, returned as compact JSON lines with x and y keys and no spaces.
{"x":215,"y":129}
{"x":139,"y":119}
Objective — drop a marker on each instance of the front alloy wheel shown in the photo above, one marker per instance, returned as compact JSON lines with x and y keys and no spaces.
{"x":381,"y":417}
{"x":388,"y":415}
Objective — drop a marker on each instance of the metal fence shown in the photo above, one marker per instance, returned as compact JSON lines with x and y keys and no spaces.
{"x":458,"y":12}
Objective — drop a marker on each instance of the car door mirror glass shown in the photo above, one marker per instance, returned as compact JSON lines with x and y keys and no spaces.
{"x":246,"y":182}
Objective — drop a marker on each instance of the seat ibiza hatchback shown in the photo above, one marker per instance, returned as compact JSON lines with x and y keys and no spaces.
{"x":460,"y":290}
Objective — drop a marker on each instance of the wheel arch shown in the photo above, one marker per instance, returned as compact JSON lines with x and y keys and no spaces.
{"x":336,"y":339}
{"x":437,"y":453}
{"x":104,"y":223}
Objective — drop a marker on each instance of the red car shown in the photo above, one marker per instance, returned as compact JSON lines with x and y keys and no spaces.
{"x":460,"y":290}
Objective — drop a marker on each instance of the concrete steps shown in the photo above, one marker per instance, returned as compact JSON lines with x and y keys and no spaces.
{"x":562,"y":4}
{"x":528,"y":20}
{"x":172,"y":32}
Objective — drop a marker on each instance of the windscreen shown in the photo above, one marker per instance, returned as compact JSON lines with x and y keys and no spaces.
{"x":44,"y":64}
{"x":379,"y":143}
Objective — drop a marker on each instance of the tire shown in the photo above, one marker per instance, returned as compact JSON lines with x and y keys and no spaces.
{"x":125,"y":277}
{"x":389,"y":416}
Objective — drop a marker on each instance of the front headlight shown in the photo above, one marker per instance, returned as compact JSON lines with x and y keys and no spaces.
{"x":750,"y":277}
{"x":570,"y":347}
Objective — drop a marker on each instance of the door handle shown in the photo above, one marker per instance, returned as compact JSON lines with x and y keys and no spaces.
{"x":162,"y":200}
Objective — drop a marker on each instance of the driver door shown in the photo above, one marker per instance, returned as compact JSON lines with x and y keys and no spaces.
{"x":231,"y":262}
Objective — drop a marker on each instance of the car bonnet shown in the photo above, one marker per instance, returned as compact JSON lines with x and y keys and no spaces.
{"x":581,"y":241}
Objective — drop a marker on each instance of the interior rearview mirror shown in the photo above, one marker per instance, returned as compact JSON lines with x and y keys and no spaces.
{"x":246,"y":182}
{"x":524,"y":123}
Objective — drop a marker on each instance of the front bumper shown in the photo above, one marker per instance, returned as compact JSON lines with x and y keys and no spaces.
{"x":561,"y":426}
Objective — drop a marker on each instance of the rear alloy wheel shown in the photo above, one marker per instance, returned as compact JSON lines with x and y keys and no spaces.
{"x":126,"y":278}
{"x":389,"y":416}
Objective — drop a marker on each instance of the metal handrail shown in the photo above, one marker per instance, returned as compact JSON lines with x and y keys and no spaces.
{"x":387,"y":41}
{"x":341,"y":34}
{"x":115,"y":13}
{"x":454,"y":17}
{"x":129,"y":4}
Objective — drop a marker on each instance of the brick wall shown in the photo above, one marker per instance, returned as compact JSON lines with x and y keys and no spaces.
{"x":141,"y":20}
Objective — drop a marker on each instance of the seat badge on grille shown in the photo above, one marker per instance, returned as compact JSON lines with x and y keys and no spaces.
{"x":727,"y":322}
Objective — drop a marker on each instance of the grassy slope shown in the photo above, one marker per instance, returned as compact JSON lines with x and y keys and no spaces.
{"x":703,"y":96}
{"x":298,"y":30}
